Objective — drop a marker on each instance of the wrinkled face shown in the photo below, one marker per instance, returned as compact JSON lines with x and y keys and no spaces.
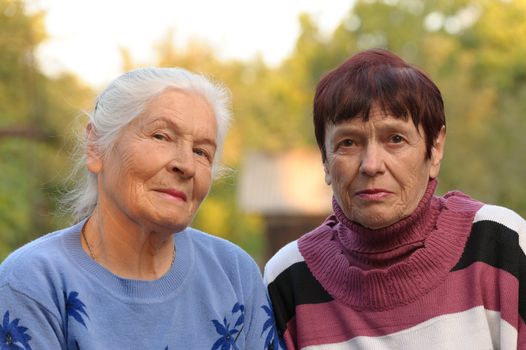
{"x":160,"y":169}
{"x":378,"y":169}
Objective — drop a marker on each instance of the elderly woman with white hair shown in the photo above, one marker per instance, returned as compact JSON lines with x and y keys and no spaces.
{"x":132,"y":274}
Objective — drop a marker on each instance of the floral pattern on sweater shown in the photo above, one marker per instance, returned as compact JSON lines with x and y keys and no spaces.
{"x":12,"y":335}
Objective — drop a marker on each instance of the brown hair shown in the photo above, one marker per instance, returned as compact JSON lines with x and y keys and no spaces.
{"x":378,"y":77}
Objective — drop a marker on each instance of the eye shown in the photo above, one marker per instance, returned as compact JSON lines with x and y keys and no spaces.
{"x":160,"y":137}
{"x":344,"y":146}
{"x":200,"y":152}
{"x":346,"y":143}
{"x":396,"y":139}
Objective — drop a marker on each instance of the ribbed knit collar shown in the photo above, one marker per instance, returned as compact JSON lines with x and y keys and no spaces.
{"x":381,"y":269}
{"x":368,"y":248}
{"x":129,"y":289}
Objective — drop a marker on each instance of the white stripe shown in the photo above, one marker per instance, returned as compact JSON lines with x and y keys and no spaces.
{"x":285,"y":257}
{"x":506,"y":217}
{"x":474,"y":329}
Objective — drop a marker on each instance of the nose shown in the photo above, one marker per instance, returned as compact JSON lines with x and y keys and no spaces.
{"x":183,"y":162}
{"x":372,"y":162}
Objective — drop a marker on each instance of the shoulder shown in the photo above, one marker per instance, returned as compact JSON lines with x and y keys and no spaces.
{"x":37,"y":270}
{"x":215,"y":250}
{"x":213,"y":244}
{"x":34,"y":256}
{"x":223,"y":267}
{"x":282,"y":260}
{"x":42,"y":248}
{"x":291,"y":258}
{"x":503,"y":216}
{"x":498,"y":239}
{"x":502,"y":226}
{"x":492,"y":222}
{"x":485,"y":214}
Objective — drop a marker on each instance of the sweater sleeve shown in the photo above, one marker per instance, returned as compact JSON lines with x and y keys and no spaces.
{"x":261,"y":332}
{"x":278,"y":277}
{"x":26,"y":324}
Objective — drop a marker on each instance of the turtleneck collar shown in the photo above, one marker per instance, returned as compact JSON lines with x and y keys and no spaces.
{"x":381,"y":269}
{"x":369,"y":248}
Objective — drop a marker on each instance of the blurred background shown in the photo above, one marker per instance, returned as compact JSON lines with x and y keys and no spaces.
{"x":55,"y":56}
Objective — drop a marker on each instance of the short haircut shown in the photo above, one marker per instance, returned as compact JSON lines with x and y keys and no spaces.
{"x":378,"y":77}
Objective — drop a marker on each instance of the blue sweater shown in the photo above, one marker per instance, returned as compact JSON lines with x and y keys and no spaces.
{"x":53,"y":296}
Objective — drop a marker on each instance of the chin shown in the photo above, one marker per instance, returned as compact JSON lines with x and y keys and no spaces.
{"x":169,"y":224}
{"x":375,"y":223}
{"x":377,"y":226}
{"x":179,"y":226}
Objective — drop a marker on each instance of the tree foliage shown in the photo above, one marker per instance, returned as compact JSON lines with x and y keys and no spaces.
{"x":36,"y":114}
{"x":473,"y":49}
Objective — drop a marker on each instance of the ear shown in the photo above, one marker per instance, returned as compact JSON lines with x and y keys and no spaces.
{"x":328,"y":179}
{"x":437,"y":152}
{"x":93,"y":156}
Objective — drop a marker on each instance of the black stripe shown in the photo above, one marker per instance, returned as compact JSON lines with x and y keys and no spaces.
{"x":489,"y":242}
{"x":294,"y":286}
{"x":496,"y":245}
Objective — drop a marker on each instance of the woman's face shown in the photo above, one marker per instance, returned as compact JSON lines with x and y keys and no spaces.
{"x":378,"y":169}
{"x":160,"y":168}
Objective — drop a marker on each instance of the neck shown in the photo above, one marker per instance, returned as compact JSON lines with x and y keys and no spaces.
{"x":399,"y":278}
{"x":129,"y":251}
{"x":368,"y":248}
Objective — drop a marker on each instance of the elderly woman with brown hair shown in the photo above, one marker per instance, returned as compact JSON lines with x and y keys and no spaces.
{"x":395,"y":266}
{"x":131,"y":274}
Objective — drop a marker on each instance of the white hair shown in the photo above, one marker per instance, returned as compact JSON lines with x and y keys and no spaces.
{"x":120,"y":103}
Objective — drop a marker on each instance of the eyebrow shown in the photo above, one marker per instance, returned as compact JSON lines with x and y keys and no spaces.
{"x":386,"y":127}
{"x":388,"y":124}
{"x":163,"y":120}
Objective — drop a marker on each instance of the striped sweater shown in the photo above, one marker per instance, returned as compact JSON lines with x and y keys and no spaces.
{"x":450,"y":276}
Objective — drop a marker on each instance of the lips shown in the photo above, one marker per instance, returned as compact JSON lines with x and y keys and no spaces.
{"x":373,"y":194}
{"x":174,"y":193}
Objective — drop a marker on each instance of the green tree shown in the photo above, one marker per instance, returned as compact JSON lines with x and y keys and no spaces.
{"x":35,"y":114}
{"x":473,"y":49}
{"x":459,"y":43}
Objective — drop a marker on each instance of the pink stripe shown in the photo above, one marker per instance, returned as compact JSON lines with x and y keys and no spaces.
{"x":479,"y":284}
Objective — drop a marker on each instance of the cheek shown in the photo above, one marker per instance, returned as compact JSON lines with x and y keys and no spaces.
{"x":414,"y":183}
{"x":128,"y":163}
{"x":202,"y":184}
{"x":410,"y":171}
{"x":140,"y":164}
{"x":339,"y":181}
{"x":342,"y":174}
{"x":129,"y":174}
{"x":128,"y":171}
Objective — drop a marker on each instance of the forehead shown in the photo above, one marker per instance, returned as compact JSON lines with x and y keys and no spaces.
{"x":180,"y":108}
{"x":376,"y":120}
{"x":179,"y":100}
